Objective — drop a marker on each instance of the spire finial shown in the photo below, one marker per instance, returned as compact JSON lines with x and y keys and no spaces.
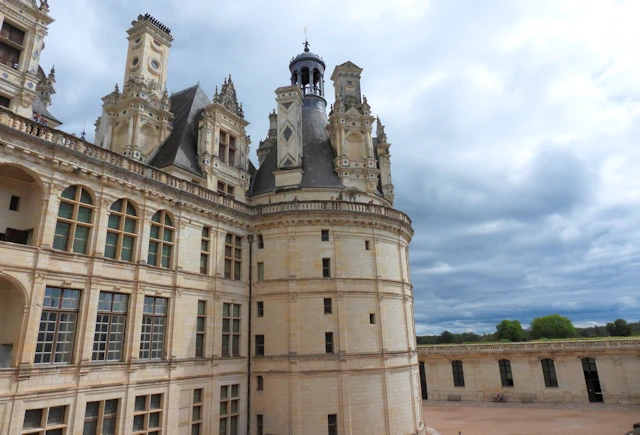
{"x":306,"y":42}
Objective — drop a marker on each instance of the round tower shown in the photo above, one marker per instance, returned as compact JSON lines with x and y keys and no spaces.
{"x":333,"y":338}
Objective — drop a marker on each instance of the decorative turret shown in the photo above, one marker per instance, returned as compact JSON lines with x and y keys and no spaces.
{"x":271,"y":139}
{"x":384,"y":161}
{"x":24,"y":27}
{"x":307,"y":71}
{"x":350,"y":125}
{"x":138,"y":120}
{"x":223,"y":144}
{"x":45,"y":88}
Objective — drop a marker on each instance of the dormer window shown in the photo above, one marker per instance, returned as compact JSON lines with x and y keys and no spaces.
{"x":227,"y":148}
{"x":12,"y":33}
{"x":11,"y":40}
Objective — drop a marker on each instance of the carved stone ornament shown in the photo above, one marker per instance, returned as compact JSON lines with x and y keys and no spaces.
{"x":227,"y":98}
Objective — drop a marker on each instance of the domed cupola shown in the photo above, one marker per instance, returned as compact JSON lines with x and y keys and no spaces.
{"x":307,"y":71}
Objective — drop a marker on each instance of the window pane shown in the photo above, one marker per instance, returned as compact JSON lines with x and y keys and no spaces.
{"x":138,"y":422}
{"x":154,"y":420}
{"x":90,"y":427}
{"x":66,"y":210}
{"x":56,"y":415}
{"x":85,"y":197}
{"x":156,"y":400}
{"x":200,"y":324}
{"x":140,"y":403}
{"x":61,"y":237}
{"x":32,"y":418}
{"x":70,"y":299}
{"x":201,"y":307}
{"x":69,"y":192}
{"x":167,"y":235}
{"x":81,"y":239}
{"x":196,"y":413}
{"x":154,"y":232}
{"x":130,"y":225}
{"x":116,"y":206}
{"x":110,"y":245}
{"x":84,"y":214}
{"x":197,"y":395}
{"x":131,"y":210}
{"x":109,"y":426}
{"x":156,"y":217}
{"x":92,"y":410}
{"x":236,"y":310}
{"x":111,"y":407}
{"x":114,"y":222}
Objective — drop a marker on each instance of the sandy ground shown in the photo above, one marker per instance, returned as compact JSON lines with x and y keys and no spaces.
{"x":447,"y":418}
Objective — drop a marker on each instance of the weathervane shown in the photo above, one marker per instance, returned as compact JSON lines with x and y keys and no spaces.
{"x":306,"y":43}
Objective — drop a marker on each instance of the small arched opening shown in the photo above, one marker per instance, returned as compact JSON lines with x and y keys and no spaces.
{"x":305,"y":79}
{"x":12,"y":303}
{"x":317,"y":78}
{"x":21,"y":202}
{"x":355,"y":147}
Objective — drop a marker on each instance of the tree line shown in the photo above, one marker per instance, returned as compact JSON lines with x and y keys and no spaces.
{"x":548,"y":327}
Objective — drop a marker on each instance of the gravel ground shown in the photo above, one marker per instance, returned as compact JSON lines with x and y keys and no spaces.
{"x":511,"y":418}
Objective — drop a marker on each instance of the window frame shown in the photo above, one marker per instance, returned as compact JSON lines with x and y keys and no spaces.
{"x":201,"y":328}
{"x":457,"y":370}
{"x":259,"y":345}
{"x":231,"y":336}
{"x":229,"y":398}
{"x":549,"y":373}
{"x":260,"y":271}
{"x":329,"y":344}
{"x":146,"y":413}
{"x":164,"y":223}
{"x":76,"y":203}
{"x":121,"y":233}
{"x":259,"y":383}
{"x":59,"y":311}
{"x":326,"y":267}
{"x":205,"y":250}
{"x":153,"y":317}
{"x":101,"y":418}
{"x":44,"y":425}
{"x":233,"y":257}
{"x":506,"y":375}
{"x":332,"y":424}
{"x":324,"y":236}
{"x":111,"y":337}
{"x":260,"y":241}
{"x":259,"y":308}
{"x":328,"y":305}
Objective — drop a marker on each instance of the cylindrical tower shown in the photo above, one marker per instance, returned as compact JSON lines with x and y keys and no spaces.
{"x":333,"y":337}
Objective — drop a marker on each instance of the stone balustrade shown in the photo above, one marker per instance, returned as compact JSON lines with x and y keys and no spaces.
{"x":79,"y":145}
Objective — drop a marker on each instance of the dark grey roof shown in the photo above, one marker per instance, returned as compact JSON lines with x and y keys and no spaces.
{"x":181,"y":147}
{"x":317,"y":156}
{"x":38,"y":107}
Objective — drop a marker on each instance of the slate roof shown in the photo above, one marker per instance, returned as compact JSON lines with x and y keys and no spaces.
{"x":317,"y":157}
{"x":38,"y":107}
{"x":181,"y":147}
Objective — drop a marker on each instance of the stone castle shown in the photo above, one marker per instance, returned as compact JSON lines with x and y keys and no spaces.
{"x":156,"y":282}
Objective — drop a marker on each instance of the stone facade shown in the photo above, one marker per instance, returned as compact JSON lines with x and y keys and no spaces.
{"x":550,"y":371}
{"x":139,"y":294}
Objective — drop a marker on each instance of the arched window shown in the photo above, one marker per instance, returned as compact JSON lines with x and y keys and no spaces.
{"x":122,"y":231}
{"x":505,"y":373}
{"x":74,"y":220}
{"x":160,"y":240}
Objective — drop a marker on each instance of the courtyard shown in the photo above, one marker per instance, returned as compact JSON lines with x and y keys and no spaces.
{"x":487,"y":418}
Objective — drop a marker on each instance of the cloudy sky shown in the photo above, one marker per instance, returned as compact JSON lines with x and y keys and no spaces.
{"x":515,"y":129}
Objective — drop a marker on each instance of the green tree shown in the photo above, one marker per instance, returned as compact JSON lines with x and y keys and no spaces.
{"x":552,"y":326}
{"x":445,"y":338}
{"x":619,"y":328}
{"x":510,"y":330}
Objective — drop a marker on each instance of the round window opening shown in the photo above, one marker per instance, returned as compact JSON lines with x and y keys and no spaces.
{"x":156,"y":42}
{"x":135,"y":61}
{"x":155,"y":64}
{"x":137,"y":40}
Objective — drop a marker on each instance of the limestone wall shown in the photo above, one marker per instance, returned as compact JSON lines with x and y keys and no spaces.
{"x":617,"y":362}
